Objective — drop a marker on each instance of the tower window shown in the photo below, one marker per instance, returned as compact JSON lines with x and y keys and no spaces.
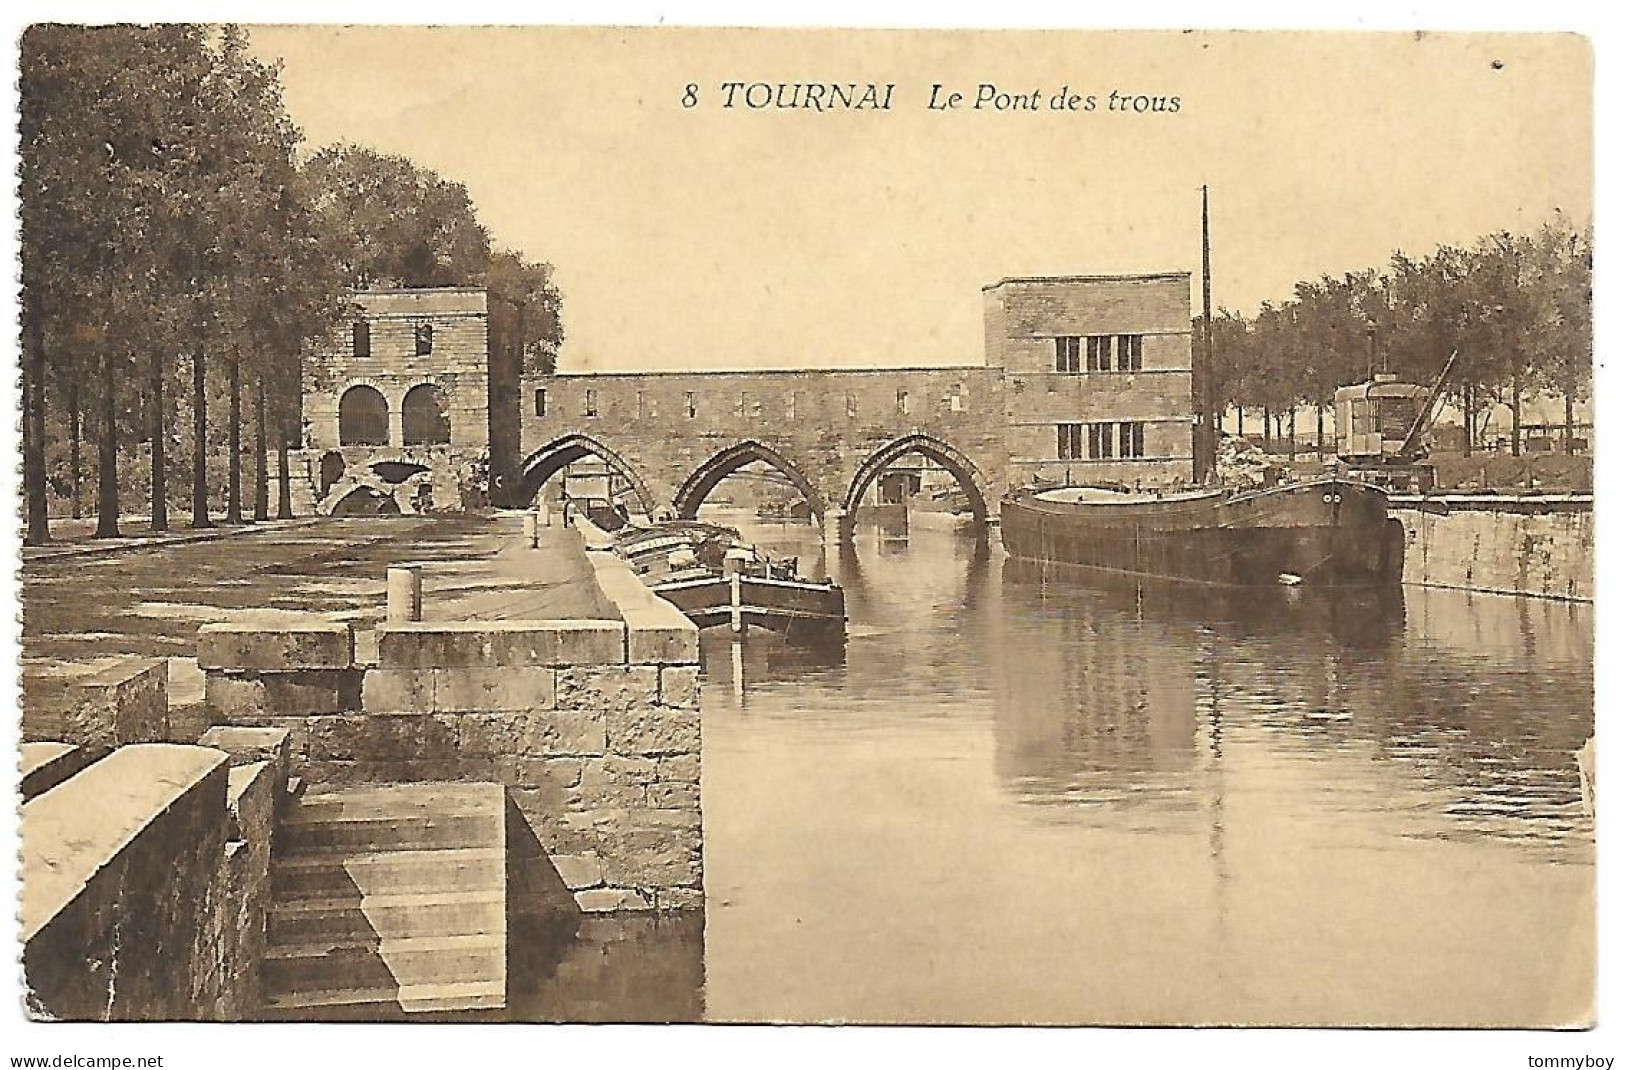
{"x":361,"y":339}
{"x":423,"y":339}
{"x":1066,"y":354}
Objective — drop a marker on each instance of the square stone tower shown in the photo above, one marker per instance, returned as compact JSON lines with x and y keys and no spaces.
{"x":398,"y":399}
{"x":1097,"y":376}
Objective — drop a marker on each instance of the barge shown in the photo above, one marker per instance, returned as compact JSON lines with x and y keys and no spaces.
{"x":1324,"y":532}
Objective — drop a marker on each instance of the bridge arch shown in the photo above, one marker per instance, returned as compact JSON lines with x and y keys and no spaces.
{"x":704,"y":479}
{"x":962,"y":468}
{"x":545,"y":462}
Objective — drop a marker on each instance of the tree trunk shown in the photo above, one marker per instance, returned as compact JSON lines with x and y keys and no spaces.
{"x":234,"y":438}
{"x":262,"y":488}
{"x":1517,"y":414}
{"x":1266,"y":428}
{"x":1320,"y":431}
{"x":75,"y":434}
{"x":284,"y":490}
{"x":200,"y":441}
{"x":1467,"y":420}
{"x":160,"y":478}
{"x":1239,"y":413}
{"x":107,"y":455}
{"x":1292,"y":433}
{"x":38,"y":507}
{"x":1568,"y":417}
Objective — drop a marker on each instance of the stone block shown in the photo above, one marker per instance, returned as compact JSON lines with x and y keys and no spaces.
{"x":611,"y":900}
{"x":680,"y":685}
{"x":579,"y":871}
{"x":456,"y":644}
{"x":123,"y":703}
{"x":613,"y":782}
{"x":653,"y":730}
{"x":372,"y":737}
{"x":276,"y":647}
{"x":658,"y":634}
{"x":45,"y":765}
{"x":236,"y":697}
{"x":679,"y":898}
{"x":540,"y":734}
{"x":251,"y":792}
{"x":651,"y":857}
{"x":554,"y":773}
{"x":680,"y":768}
{"x":398,"y":691}
{"x":246,"y":745}
{"x":673,"y":796}
{"x":614,"y":687}
{"x":491,"y":690}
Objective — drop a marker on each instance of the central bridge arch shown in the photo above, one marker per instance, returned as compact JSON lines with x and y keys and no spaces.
{"x":704,"y":479}
{"x":545,"y":462}
{"x":962,"y":468}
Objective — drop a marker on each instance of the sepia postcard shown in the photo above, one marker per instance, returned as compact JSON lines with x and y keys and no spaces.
{"x":564,"y":524}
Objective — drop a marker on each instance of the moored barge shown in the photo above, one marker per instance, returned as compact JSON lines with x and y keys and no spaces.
{"x":1324,"y":532}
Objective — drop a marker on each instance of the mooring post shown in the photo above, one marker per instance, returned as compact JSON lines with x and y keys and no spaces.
{"x":532,"y":539}
{"x":544,"y":511}
{"x":403,"y":586}
{"x":736,"y":618}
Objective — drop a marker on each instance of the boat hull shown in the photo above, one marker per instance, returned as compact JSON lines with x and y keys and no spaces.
{"x":790,"y":606}
{"x":1330,"y":532}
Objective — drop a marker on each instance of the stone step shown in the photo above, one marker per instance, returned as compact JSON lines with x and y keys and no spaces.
{"x":388,"y":901}
{"x":452,"y":869}
{"x":397,"y":800}
{"x":334,"y":965}
{"x":385,"y":832}
{"x":386,"y":916}
{"x":376,"y":1003}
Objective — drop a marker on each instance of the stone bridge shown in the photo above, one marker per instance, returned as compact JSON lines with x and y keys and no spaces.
{"x":674,"y":436}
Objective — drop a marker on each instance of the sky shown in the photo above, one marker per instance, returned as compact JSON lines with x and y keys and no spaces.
{"x":710,"y":237}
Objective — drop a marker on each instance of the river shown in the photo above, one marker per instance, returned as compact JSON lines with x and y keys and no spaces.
{"x":1017,"y":798}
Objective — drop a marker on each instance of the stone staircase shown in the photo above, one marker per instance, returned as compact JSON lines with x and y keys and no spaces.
{"x":388,"y":902}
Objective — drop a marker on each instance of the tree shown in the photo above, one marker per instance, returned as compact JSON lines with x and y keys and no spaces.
{"x":396,"y":224}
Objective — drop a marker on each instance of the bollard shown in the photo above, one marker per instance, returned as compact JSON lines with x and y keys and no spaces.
{"x":544,"y":511}
{"x":404,"y":594}
{"x":532,"y":540}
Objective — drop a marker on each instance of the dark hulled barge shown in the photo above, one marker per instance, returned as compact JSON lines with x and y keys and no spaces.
{"x":1325,"y":532}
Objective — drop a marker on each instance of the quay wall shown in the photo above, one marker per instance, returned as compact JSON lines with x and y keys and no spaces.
{"x":146,"y":876}
{"x":1540,"y":546}
{"x":592,"y":726}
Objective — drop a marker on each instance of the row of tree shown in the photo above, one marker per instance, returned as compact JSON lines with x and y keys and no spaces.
{"x":179,"y":253}
{"x":1517,"y":307}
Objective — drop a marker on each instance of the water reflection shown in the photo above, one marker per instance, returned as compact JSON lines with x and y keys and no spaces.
{"x":1027,"y":797}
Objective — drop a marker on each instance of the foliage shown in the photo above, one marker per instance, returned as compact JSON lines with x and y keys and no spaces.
{"x":1518,"y":307}
{"x":168,"y":223}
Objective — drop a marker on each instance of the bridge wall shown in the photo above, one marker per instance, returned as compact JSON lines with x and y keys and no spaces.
{"x":825,"y":424}
{"x":1023,"y":415}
